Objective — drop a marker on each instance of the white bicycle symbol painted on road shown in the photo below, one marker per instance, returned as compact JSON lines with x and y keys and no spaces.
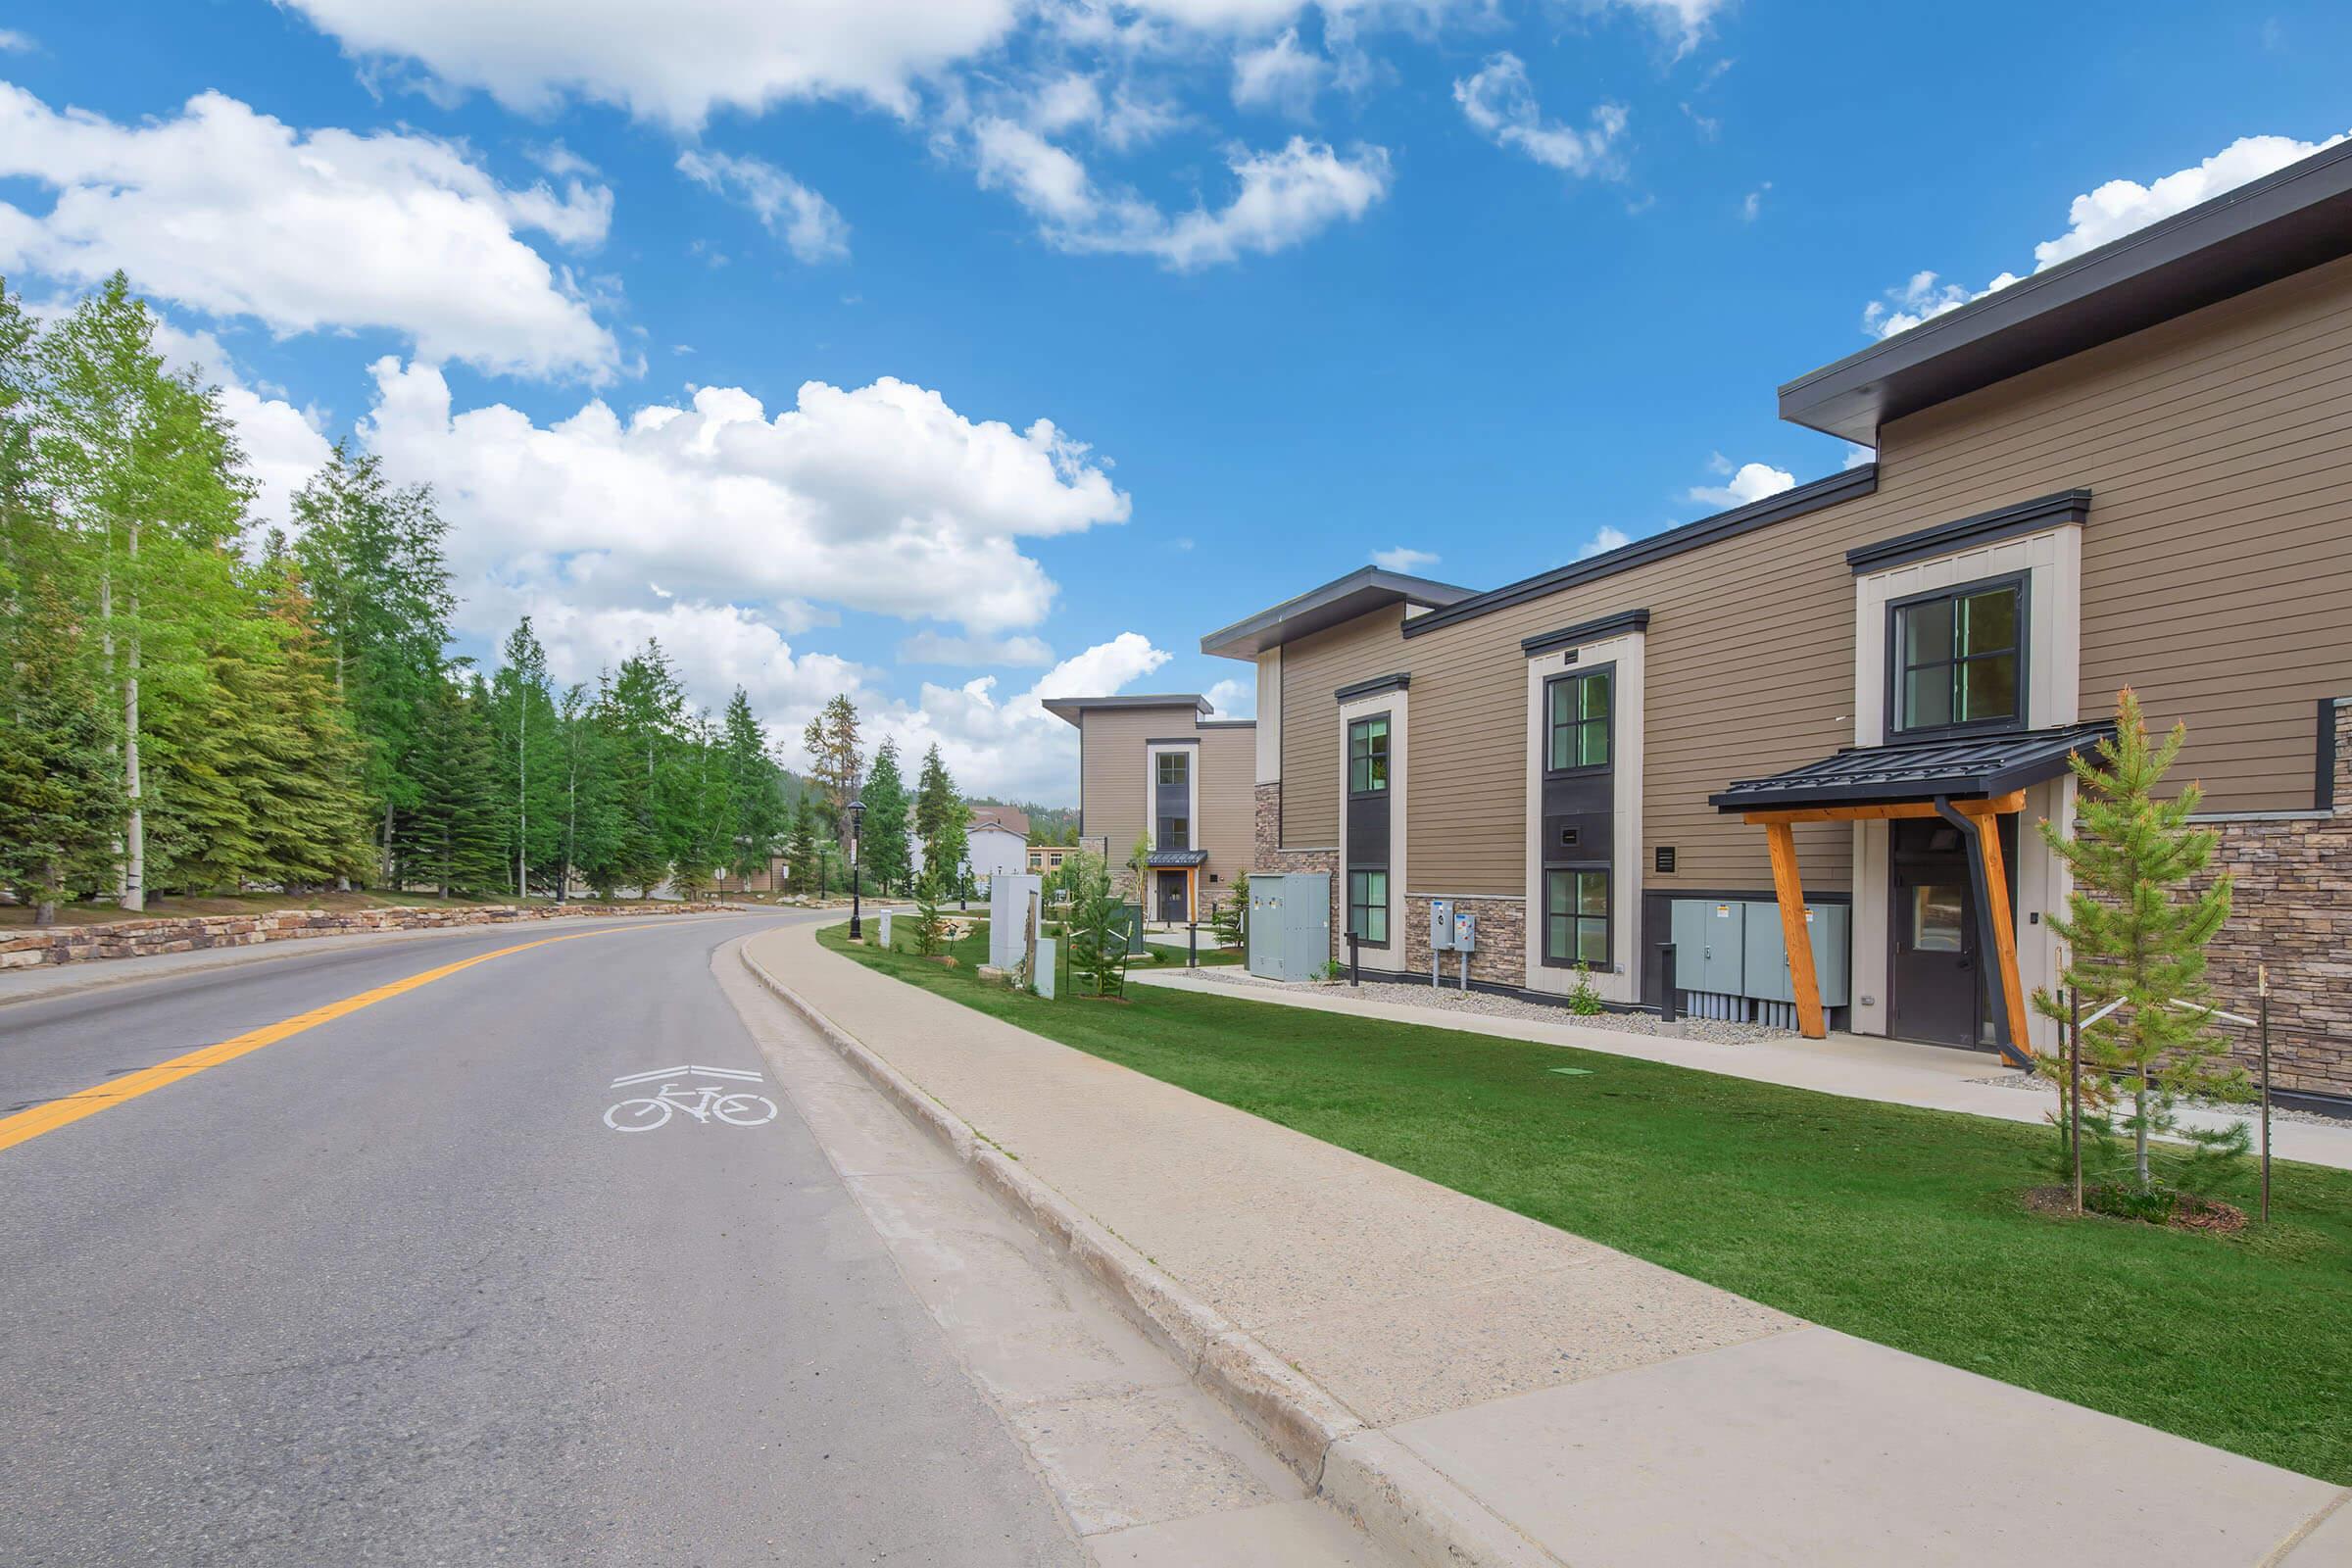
{"x":734,"y":1106}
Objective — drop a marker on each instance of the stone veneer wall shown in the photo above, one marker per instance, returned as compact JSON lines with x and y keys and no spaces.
{"x":1501,"y":952}
{"x":1269,"y":856}
{"x":2292,"y":910}
{"x":136,"y":939}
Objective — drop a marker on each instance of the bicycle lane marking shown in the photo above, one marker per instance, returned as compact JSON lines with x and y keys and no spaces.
{"x":64,"y":1111}
{"x":735,"y":1107}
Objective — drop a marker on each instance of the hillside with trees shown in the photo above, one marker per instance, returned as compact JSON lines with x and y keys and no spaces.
{"x":197,"y":707}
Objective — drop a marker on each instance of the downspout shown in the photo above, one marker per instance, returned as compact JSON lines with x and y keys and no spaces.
{"x":1993,"y":996}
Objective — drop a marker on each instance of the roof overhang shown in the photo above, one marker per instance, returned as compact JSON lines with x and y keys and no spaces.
{"x":1951,"y":767}
{"x":1070,"y":708}
{"x":1174,"y":860}
{"x":2271,"y":228}
{"x":1342,"y":599}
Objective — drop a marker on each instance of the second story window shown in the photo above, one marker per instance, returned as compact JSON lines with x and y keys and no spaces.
{"x":1368,"y":756}
{"x":1959,"y":659}
{"x":1175,"y":833}
{"x":1579,"y":722}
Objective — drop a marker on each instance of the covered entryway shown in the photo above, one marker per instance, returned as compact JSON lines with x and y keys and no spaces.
{"x":1952,"y":806}
{"x":1175,"y":883}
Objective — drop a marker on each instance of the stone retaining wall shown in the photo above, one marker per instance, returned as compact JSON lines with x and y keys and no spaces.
{"x":137,"y":938}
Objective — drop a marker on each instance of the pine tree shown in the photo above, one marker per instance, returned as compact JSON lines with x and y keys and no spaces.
{"x":754,"y":788}
{"x":889,"y":861}
{"x":528,"y":767}
{"x":836,"y":764}
{"x":59,"y":793}
{"x":371,"y":557}
{"x":2135,"y":929}
{"x":934,"y":793}
{"x":806,"y":872}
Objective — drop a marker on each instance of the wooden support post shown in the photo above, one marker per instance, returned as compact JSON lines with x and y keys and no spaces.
{"x":2004,"y":930}
{"x":1795,"y":934}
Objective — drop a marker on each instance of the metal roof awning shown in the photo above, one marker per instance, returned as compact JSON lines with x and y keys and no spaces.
{"x":1955,"y":767}
{"x":1173,"y":860}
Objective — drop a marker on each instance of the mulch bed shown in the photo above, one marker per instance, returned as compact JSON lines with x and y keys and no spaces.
{"x":2190,"y":1213}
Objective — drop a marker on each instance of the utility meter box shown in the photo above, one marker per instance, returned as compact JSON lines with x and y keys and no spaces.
{"x":1465,"y":931}
{"x":1441,"y":925}
{"x":1827,"y":927}
{"x":1710,"y":945}
{"x":1290,"y":924}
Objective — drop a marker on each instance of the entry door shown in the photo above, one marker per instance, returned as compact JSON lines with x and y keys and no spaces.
{"x":1936,"y":985}
{"x":1171,"y":896}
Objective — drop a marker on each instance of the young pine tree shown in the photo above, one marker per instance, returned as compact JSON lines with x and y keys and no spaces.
{"x":888,"y":859}
{"x":2135,"y":929}
{"x":755,"y":789}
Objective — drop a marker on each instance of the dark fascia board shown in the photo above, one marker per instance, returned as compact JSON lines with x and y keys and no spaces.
{"x":1590,"y":631}
{"x":1856,"y":482}
{"x":1228,"y":723}
{"x":2285,"y":223}
{"x":1342,"y":599}
{"x":1378,"y":683}
{"x":2002,"y":522}
{"x":1069,"y":709}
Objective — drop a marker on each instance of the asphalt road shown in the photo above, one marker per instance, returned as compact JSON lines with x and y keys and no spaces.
{"x":390,"y":1291}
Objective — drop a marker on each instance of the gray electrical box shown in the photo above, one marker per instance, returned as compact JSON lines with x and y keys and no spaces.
{"x":1829,"y":926}
{"x":1465,"y":931}
{"x":1710,"y":945}
{"x":1441,"y":925}
{"x":1290,"y":924}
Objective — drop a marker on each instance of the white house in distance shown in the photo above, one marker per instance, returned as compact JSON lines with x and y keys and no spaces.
{"x":999,"y":840}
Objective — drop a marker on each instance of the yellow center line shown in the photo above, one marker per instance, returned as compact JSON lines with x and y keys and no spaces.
{"x":25,"y":1125}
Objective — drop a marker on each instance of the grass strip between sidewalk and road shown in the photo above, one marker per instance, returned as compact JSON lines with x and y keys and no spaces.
{"x":1896,"y":1224}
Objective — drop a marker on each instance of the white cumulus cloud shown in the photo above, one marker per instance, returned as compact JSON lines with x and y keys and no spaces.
{"x":1279,"y":75}
{"x":234,"y":214}
{"x":1500,"y":104}
{"x":803,"y":220}
{"x":1748,"y":481}
{"x":674,"y":64}
{"x":1282,"y":198}
{"x":938,"y":647}
{"x":1402,"y":558}
{"x":1604,"y":541}
{"x":880,"y":498}
{"x":2115,"y":209}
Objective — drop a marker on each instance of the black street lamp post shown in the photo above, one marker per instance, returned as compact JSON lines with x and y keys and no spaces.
{"x":856,"y":861}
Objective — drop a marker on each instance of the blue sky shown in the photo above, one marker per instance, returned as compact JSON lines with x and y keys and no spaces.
{"x":1288,"y":285}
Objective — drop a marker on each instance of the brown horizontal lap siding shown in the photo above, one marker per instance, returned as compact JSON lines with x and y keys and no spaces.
{"x":1228,"y":805}
{"x":1312,"y":670}
{"x":1112,"y":769}
{"x":2216,"y":571}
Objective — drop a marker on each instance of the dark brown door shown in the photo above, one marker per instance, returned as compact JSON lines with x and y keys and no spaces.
{"x":1935,"y":978}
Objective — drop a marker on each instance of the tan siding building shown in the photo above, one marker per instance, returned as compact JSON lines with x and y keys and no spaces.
{"x":1158,"y":769}
{"x":2135,"y":470}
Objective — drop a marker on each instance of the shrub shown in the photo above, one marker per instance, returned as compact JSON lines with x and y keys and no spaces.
{"x":1583,"y":1000}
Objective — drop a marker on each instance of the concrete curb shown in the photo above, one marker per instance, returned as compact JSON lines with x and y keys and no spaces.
{"x":1398,"y":1498}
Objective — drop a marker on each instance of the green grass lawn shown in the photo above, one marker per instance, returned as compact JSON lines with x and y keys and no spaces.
{"x":1898,"y":1225}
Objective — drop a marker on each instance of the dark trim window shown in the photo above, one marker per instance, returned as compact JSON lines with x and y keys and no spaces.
{"x":1175,"y":833}
{"x":1174,"y":768}
{"x":1576,"y":917}
{"x":1368,"y":906}
{"x":1577,"y":720}
{"x":1368,"y":756}
{"x":1957,"y":658}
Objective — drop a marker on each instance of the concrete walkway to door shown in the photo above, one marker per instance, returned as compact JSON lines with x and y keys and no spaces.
{"x":1481,"y":1388}
{"x":1856,"y":1067}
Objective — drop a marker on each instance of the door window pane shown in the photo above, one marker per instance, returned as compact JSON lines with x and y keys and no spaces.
{"x":1938,"y":921}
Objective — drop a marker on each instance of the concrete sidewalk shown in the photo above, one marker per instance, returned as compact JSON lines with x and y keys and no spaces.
{"x":1855,"y":1066}
{"x":1479,"y":1388}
